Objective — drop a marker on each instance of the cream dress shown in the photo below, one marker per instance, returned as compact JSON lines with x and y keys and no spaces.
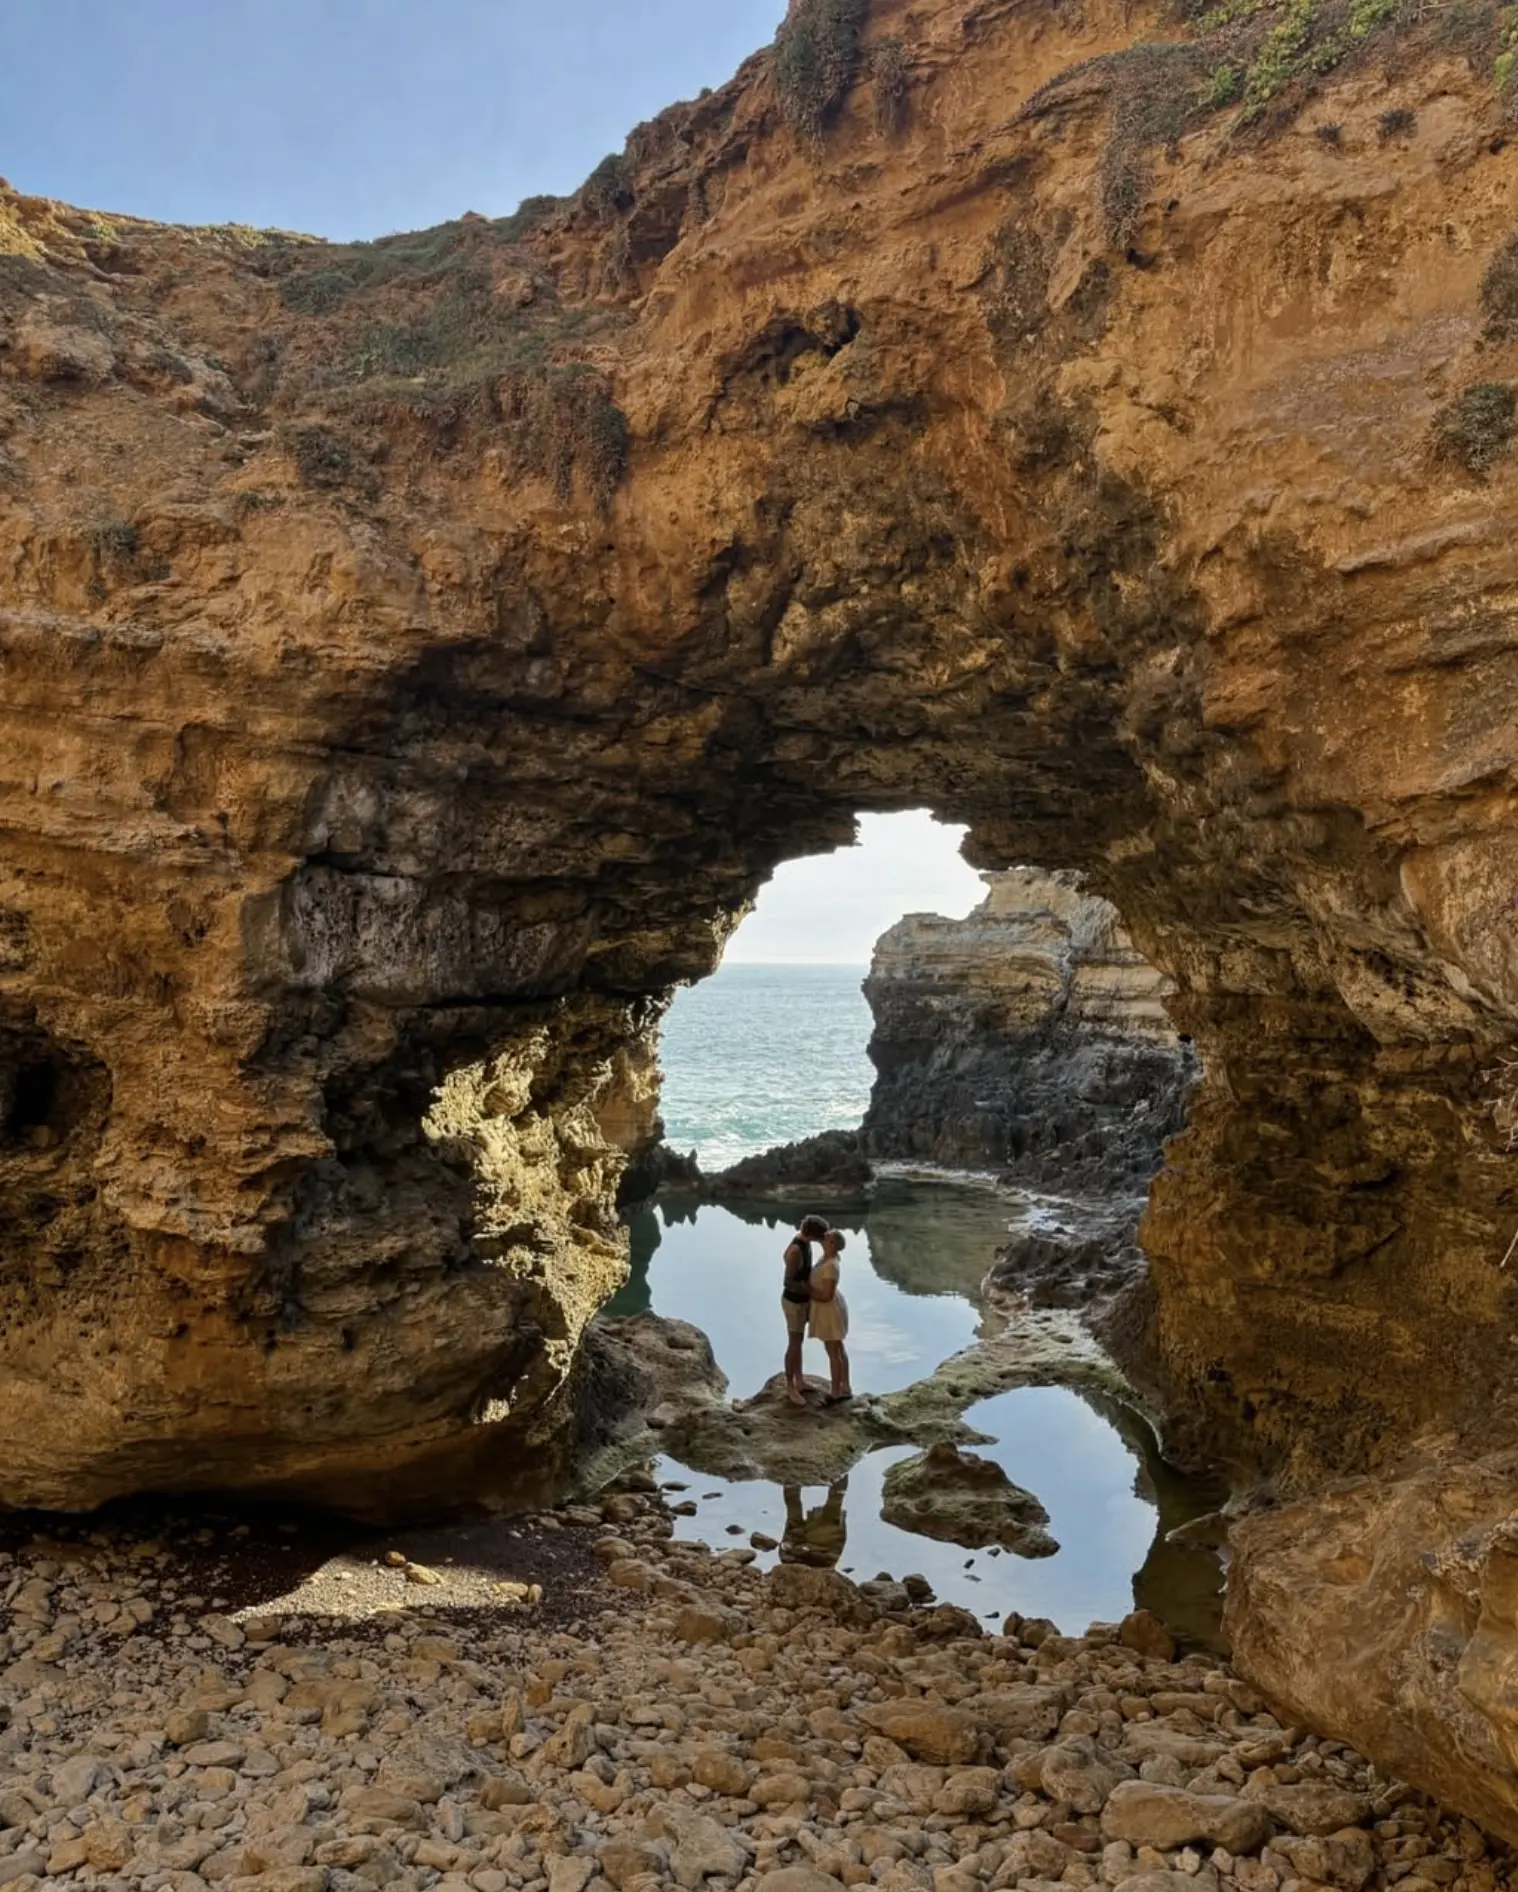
{"x":830,"y":1319}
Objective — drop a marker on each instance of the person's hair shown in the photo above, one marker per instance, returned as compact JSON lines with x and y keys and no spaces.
{"x":813,"y":1228}
{"x":835,"y":1236}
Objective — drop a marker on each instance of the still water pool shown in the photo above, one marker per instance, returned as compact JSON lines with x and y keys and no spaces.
{"x":916,"y":1257}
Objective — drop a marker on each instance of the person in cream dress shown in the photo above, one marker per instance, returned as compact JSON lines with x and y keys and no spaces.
{"x":830,"y":1315}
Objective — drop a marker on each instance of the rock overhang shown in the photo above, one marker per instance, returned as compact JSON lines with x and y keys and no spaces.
{"x":391,"y":726}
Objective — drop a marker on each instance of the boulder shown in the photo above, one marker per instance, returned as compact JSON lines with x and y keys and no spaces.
{"x":946,"y":1737}
{"x":1145,"y":1814}
{"x":960,"y":1498}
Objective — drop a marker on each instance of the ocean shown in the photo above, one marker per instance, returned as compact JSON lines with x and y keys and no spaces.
{"x":764,"y":1054}
{"x":760,"y":1055}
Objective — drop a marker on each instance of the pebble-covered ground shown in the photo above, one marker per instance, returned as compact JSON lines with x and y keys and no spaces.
{"x":582,"y":1705}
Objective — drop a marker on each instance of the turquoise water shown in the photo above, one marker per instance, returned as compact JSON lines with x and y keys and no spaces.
{"x":916,"y":1256}
{"x":760,"y":1055}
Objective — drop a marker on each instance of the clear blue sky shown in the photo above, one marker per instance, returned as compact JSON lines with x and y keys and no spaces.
{"x":346,"y":118}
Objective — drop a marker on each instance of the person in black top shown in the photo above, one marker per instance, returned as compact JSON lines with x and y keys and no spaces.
{"x":796,"y":1301}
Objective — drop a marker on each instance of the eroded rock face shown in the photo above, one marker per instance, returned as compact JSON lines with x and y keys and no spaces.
{"x":1388,"y":1609}
{"x":416,"y":655}
{"x":1029,"y":1038}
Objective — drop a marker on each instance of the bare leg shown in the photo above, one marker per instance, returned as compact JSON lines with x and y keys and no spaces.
{"x":838,"y":1365}
{"x":794,"y":1387}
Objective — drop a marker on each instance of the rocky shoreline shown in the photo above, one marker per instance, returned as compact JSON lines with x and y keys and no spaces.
{"x":663,"y":1716}
{"x":1026,"y":1044}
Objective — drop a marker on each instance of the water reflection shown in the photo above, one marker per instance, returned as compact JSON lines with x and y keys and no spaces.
{"x":914,"y":1264}
{"x":814,"y":1535}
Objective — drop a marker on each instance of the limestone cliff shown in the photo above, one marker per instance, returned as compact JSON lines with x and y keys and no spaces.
{"x":1029,"y":1038}
{"x":417,"y":653}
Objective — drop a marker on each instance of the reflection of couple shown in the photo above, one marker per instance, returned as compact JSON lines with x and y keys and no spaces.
{"x":810,"y":1297}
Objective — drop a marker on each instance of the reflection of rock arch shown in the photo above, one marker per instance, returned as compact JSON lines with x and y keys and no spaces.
{"x":1179,"y":1582}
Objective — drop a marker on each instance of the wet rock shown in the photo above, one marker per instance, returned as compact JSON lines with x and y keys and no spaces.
{"x":801,"y":1586}
{"x":960,"y":1498}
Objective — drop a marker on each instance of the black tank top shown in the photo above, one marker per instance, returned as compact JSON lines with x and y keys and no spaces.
{"x":798,"y":1285}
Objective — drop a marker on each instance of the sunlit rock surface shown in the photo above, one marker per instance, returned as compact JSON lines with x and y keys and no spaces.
{"x":415,"y":657}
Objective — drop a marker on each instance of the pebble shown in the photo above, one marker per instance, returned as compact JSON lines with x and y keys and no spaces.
{"x":702,"y":1726}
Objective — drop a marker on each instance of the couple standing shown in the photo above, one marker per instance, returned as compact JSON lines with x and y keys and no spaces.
{"x":810,"y":1297}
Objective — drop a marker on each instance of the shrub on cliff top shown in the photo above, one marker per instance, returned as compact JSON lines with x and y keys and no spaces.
{"x":1499,"y":291}
{"x":888,"y":83}
{"x":1259,"y":60}
{"x":816,"y":60}
{"x":1476,"y":428}
{"x":609,"y":187}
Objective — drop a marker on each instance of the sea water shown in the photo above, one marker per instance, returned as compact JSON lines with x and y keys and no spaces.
{"x":915,"y":1259}
{"x":756,"y":1056}
{"x":761,"y":1055}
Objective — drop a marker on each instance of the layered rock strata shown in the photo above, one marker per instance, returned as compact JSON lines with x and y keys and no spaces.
{"x":1029,"y":1038}
{"x":416,"y":655}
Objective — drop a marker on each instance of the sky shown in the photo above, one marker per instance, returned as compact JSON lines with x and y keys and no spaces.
{"x":831,"y":908}
{"x":343,"y":118}
{"x":353,"y":118}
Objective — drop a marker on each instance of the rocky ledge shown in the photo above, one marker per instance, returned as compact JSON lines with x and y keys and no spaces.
{"x":1030,"y":1039}
{"x":688,"y":1723}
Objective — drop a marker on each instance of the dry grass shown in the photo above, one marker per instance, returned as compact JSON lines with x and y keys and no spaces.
{"x":1499,"y":291}
{"x":1476,"y":429}
{"x":458,"y":331}
{"x":888,"y":85}
{"x":1261,"y":61}
{"x":609,"y":188}
{"x":816,"y":60}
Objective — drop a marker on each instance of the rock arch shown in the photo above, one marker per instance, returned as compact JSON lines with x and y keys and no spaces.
{"x":416,"y":654}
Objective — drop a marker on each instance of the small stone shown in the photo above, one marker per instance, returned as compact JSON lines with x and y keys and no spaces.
{"x":721,"y":1772}
{"x":698,"y":1625}
{"x":74,"y":1781}
{"x":1315,"y":1807}
{"x":215,"y":1754}
{"x":1071,"y":1773}
{"x":630,"y":1574}
{"x":624,"y":1861}
{"x":969,"y":1793}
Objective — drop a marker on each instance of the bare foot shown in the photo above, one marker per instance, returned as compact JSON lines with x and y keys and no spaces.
{"x":793,"y":1398}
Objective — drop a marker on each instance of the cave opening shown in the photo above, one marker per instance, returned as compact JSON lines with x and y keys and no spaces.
{"x":971,"y":1076}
